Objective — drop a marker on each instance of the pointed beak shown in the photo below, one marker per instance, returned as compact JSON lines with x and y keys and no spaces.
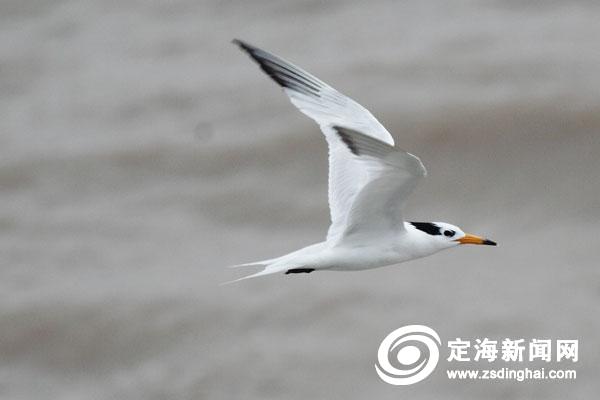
{"x":472,"y":239}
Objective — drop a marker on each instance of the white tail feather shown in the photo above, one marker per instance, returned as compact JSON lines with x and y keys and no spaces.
{"x":293,"y":260}
{"x":269,"y":269}
{"x":255,"y":263}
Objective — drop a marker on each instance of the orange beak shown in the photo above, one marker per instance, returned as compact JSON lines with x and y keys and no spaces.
{"x":472,"y":239}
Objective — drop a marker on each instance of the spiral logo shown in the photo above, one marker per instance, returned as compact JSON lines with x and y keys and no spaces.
{"x":408,"y":355}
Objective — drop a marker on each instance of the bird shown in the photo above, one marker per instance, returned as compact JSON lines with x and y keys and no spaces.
{"x":369,"y":181}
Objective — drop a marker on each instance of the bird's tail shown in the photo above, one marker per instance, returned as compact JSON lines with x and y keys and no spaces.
{"x":256,"y":263}
{"x":294,"y":262}
{"x":271,"y":267}
{"x":286,"y":263}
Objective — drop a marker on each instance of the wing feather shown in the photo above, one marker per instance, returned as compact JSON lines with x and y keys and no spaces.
{"x":392,"y":175}
{"x":361,"y":151}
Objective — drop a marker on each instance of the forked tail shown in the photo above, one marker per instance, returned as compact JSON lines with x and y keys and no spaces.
{"x":270,"y":267}
{"x":299,"y":261}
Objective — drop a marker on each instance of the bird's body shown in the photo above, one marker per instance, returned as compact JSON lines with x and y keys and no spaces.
{"x":369,"y":182}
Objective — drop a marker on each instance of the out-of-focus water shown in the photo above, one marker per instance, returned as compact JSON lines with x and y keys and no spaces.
{"x":140,"y":153}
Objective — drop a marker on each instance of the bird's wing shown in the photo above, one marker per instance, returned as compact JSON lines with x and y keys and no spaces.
{"x":392,"y":174}
{"x":350,"y":172}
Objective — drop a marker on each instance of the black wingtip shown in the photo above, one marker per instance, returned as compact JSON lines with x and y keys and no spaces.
{"x":282,"y":72}
{"x":243,"y":45}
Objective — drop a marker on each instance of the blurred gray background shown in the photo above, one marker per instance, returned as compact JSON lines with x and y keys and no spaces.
{"x":141,"y":153}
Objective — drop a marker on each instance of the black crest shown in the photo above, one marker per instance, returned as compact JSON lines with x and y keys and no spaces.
{"x":427,"y":227}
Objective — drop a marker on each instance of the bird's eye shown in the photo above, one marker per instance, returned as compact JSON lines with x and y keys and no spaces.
{"x":449,"y":233}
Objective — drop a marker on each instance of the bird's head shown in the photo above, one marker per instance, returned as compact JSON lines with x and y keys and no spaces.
{"x":446,"y":235}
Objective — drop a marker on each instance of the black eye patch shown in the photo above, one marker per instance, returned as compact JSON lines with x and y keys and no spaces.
{"x":449,"y":233}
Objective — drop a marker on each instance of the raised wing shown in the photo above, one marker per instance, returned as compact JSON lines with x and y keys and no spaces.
{"x":349,"y":172}
{"x":392,"y":174}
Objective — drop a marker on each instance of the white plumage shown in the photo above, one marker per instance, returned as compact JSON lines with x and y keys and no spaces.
{"x":369,"y":182}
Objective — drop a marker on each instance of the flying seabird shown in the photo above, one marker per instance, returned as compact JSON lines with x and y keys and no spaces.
{"x":370,"y":180}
